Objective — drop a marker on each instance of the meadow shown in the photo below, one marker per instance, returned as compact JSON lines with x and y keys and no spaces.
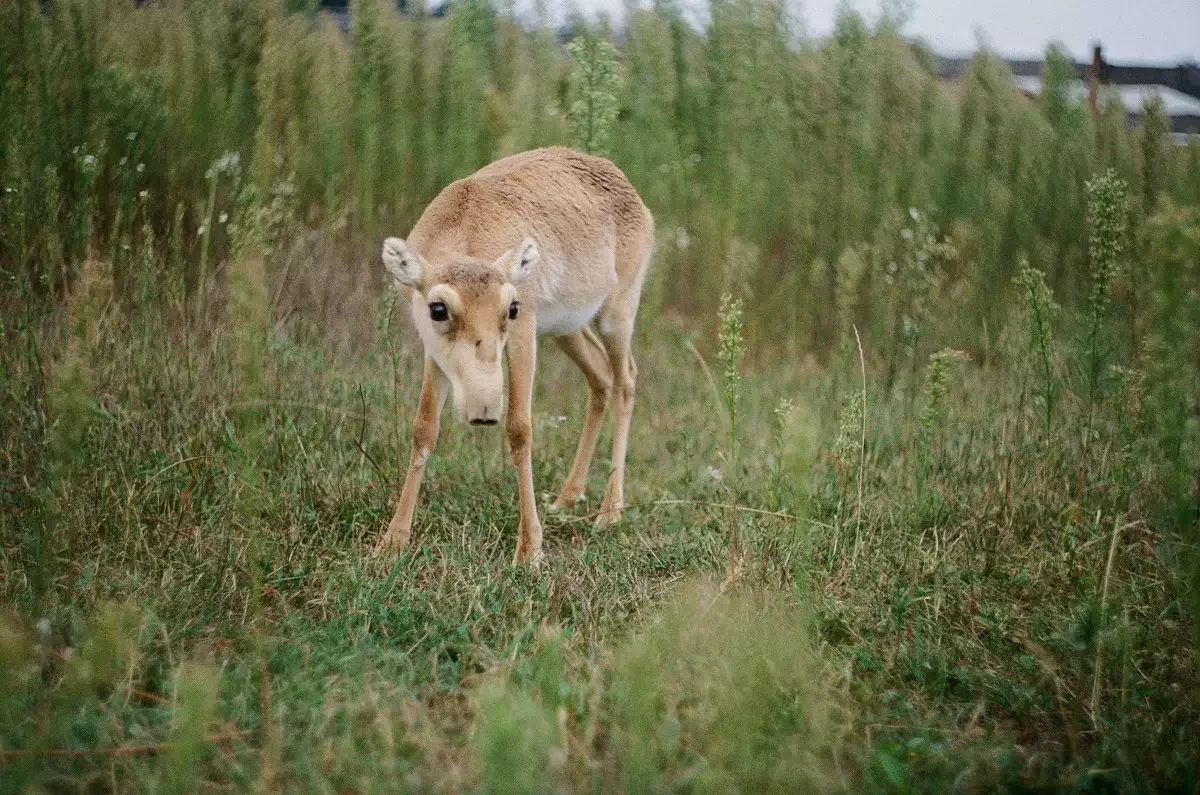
{"x":914,"y":478}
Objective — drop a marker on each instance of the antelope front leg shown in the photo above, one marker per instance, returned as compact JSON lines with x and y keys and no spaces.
{"x":522,"y":354}
{"x":424,"y":439}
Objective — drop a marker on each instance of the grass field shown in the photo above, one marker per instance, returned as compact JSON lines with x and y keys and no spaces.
{"x":923,"y":517}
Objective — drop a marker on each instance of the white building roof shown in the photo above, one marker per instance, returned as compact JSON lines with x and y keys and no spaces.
{"x":1175,"y":103}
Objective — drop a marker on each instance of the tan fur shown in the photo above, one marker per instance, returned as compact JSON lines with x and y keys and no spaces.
{"x":567,"y":236}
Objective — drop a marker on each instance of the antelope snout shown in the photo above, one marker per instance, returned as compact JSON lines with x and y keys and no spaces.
{"x":483,"y":398}
{"x":476,"y":386}
{"x":483,"y":413}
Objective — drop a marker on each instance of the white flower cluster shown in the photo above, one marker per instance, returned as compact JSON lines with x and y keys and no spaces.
{"x":229,"y":163}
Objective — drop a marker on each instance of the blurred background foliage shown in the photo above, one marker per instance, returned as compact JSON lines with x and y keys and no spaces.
{"x":778,"y":166}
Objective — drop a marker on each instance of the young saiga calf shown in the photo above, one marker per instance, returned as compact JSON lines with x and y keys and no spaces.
{"x":539,"y":243}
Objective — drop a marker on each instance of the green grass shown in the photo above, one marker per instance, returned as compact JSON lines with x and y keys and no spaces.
{"x":948,"y":629}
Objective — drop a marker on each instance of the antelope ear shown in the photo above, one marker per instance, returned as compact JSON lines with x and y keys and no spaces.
{"x":402,"y":262}
{"x":520,"y":260}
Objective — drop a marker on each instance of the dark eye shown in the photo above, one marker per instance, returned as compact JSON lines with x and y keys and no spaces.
{"x":513,"y":309}
{"x":438,"y":312}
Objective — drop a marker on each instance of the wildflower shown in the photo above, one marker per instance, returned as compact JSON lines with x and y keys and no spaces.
{"x":229,"y":163}
{"x":141,"y":167}
{"x":143,"y":195}
{"x":714,"y":473}
{"x":937,"y":379}
{"x":1040,"y":308}
{"x":123,"y":161}
{"x":89,"y":160}
{"x":223,"y":217}
{"x":847,"y":446}
{"x":131,"y":137}
{"x":784,"y":408}
{"x":595,"y":79}
{"x":907,"y":234}
{"x":730,"y":354}
{"x":43,"y":627}
{"x":732,"y":320}
{"x":202,"y":230}
{"x":913,"y":214}
{"x":1107,"y":210}
{"x":1040,"y":311}
{"x":1106,"y":226}
{"x":682,"y":240}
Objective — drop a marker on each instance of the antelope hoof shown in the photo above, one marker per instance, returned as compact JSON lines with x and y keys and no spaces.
{"x":393,"y":542}
{"x":534,"y":560}
{"x":529,"y":547}
{"x":387,"y":546}
{"x":568,"y":499}
{"x":609,"y":516}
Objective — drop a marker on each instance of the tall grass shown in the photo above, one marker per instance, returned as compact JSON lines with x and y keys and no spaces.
{"x":741,"y":132}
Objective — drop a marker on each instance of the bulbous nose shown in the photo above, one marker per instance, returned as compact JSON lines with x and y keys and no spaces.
{"x":484,"y":417}
{"x":482,"y":392}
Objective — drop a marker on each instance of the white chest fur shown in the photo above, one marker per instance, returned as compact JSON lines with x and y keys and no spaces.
{"x":558,"y":321}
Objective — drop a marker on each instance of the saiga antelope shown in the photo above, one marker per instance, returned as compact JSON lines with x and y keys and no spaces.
{"x":539,"y":243}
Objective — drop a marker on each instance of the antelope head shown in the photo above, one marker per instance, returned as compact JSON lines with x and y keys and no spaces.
{"x":463,"y":309}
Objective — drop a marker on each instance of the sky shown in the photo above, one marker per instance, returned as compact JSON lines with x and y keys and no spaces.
{"x":1150,"y":31}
